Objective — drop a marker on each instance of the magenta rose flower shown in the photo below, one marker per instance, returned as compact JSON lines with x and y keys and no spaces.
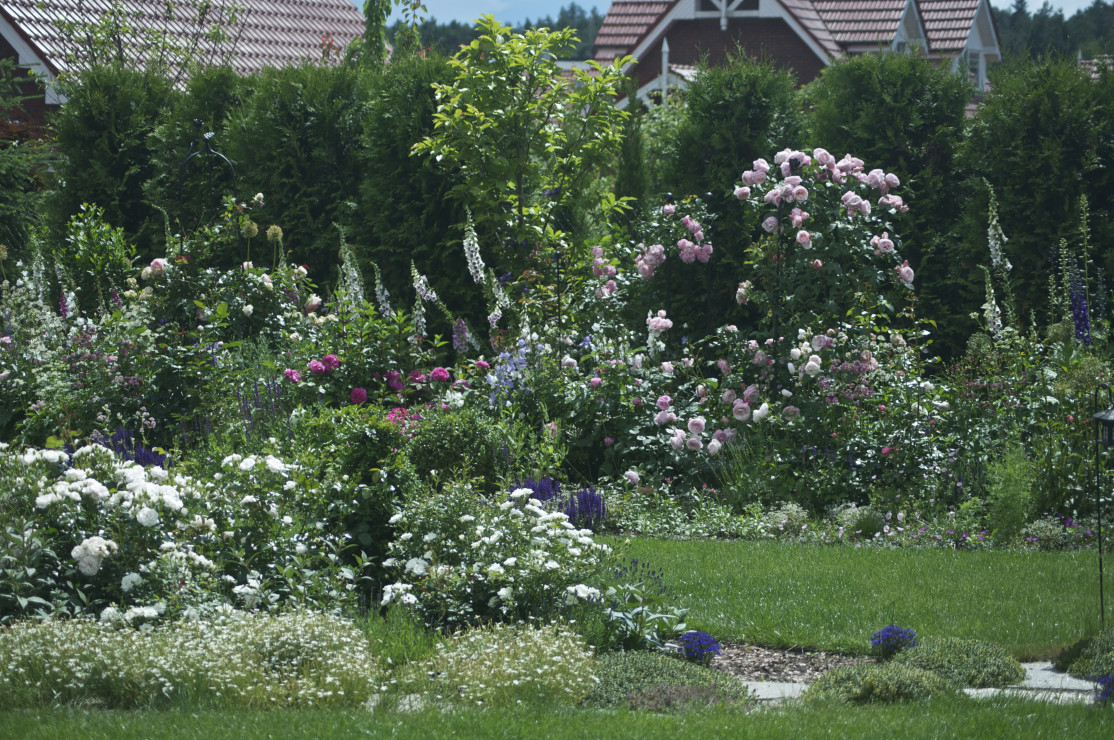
{"x":358,"y":396}
{"x":439,"y":375}
{"x":331,"y":362}
{"x":293,"y":375}
{"x":316,"y":367}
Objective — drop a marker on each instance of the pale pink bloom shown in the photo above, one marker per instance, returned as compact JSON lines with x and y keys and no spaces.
{"x":759,"y":358}
{"x":804,"y":239}
{"x":773,"y":197}
{"x":662,"y":418}
{"x":728,"y":396}
{"x":882,"y":244}
{"x":597,"y":251}
{"x":702,"y":391}
{"x":595,"y":382}
{"x":905,"y":273}
{"x":876,"y":179}
{"x":741,"y":410}
{"x":724,"y":366}
{"x":742,"y":294}
{"x":742,"y":192}
{"x":824,"y":158}
{"x":770,"y":224}
{"x":247,"y":266}
{"x":800,"y":193}
{"x":892,"y":181}
{"x":668,"y":209}
{"x":667,"y":368}
{"x":313,"y":303}
{"x":687,"y":362}
{"x":316,"y":367}
{"x":632,"y":476}
{"x":158,"y":266}
{"x":677,"y":441}
{"x":789,"y":413}
{"x":703,"y":254}
{"x":821,"y":342}
{"x":817,"y":264}
{"x":645,"y":271}
{"x":760,"y":165}
{"x":694,"y":443}
{"x":714,"y":447}
{"x":797,"y":217}
{"x":696,"y":425}
{"x":750,"y":395}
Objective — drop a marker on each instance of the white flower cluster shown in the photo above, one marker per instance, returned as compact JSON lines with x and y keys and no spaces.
{"x":456,"y":557}
{"x":91,"y":553}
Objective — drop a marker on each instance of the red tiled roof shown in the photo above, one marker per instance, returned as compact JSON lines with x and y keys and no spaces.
{"x":861,"y":22}
{"x":835,"y":25}
{"x":947,"y":23}
{"x":805,"y":13}
{"x":626,"y":23}
{"x":275,"y":33}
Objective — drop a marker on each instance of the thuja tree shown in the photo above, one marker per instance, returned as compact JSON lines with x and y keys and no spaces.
{"x":905,"y":114}
{"x":1040,"y":140}
{"x":527,"y":139}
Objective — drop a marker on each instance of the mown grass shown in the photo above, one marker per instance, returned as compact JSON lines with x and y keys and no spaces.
{"x":958,"y":718}
{"x":784,"y":595}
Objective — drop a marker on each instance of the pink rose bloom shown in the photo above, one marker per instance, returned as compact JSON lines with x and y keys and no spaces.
{"x":886,"y":450}
{"x":770,"y":224}
{"x":645,"y":271}
{"x":797,"y":217}
{"x":313,"y":303}
{"x":668,"y":209}
{"x":595,"y":382}
{"x":597,"y":251}
{"x":663,"y":403}
{"x":696,"y":425}
{"x":394,"y":380}
{"x":817,"y":264}
{"x":358,"y":396}
{"x":704,"y":253}
{"x":892,"y":181}
{"x":158,"y":266}
{"x":773,"y":197}
{"x":714,"y":447}
{"x":687,"y":362}
{"x":741,"y":410}
{"x":439,"y":375}
{"x":482,"y":365}
{"x":316,"y":367}
{"x":905,"y":273}
{"x":876,"y":179}
{"x":293,"y":375}
{"x":724,"y":366}
{"x":800,"y":193}
{"x":667,"y":368}
{"x":824,"y":158}
{"x":632,"y":476}
{"x":694,"y":443}
{"x":677,"y":441}
{"x":742,"y":294}
{"x":728,"y":397}
{"x":789,"y":413}
{"x":331,"y":362}
{"x":760,"y":165}
{"x":742,"y":192}
{"x":882,"y":244}
{"x":416,"y":376}
{"x":804,"y":239}
{"x":636,"y":402}
{"x":750,"y":395}
{"x":759,"y":358}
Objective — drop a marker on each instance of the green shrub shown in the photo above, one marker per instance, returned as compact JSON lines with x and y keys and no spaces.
{"x":1094,"y":655}
{"x":972,"y":663}
{"x":638,"y":677}
{"x":883,"y":683}
{"x":104,"y":154}
{"x":295,"y":139}
{"x":1009,"y":498}
{"x":459,"y":443}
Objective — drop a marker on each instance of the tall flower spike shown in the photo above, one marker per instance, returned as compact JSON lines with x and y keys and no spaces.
{"x":472,"y":252}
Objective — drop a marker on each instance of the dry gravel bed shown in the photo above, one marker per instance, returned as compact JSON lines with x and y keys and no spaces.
{"x":753,"y":663}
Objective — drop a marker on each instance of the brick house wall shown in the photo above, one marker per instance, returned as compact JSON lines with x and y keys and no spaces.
{"x":32,"y":119}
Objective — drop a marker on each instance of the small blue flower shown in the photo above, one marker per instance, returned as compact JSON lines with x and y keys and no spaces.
{"x":699,"y":647}
{"x":891,"y":640}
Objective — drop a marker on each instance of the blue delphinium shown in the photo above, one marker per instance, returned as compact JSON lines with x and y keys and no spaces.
{"x":699,"y":647}
{"x":1104,"y":692}
{"x":891,"y":640}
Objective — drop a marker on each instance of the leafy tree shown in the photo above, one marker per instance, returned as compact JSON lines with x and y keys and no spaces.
{"x":21,"y":159}
{"x":526,"y":139}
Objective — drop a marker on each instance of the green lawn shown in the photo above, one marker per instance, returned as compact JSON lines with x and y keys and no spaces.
{"x":956,"y":718}
{"x":779,"y":595}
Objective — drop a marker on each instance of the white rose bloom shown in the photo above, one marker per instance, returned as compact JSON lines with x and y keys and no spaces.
{"x":147,"y":516}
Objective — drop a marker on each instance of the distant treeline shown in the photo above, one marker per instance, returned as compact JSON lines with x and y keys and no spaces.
{"x":448,"y":37}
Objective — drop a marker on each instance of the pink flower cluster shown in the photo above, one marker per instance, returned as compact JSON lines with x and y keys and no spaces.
{"x":905,"y":273}
{"x":691,"y":251}
{"x":882,"y":244}
{"x":649,"y":259}
{"x":658,"y":324}
{"x":602,"y":268}
{"x":326,"y":364}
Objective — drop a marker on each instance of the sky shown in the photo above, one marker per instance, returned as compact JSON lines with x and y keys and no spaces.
{"x":515,"y":11}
